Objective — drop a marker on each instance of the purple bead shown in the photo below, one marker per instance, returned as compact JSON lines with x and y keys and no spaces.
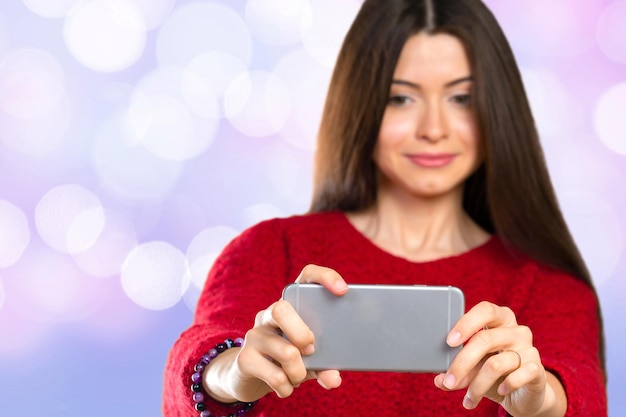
{"x":197,"y":377}
{"x":213,"y":354}
{"x":206,"y":413}
{"x":206,"y":359}
{"x":199,"y":367}
{"x":198,"y":397}
{"x":241,"y":412}
{"x":239,"y":342}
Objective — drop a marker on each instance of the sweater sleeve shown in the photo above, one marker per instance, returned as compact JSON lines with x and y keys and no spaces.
{"x":247,"y":277}
{"x":562,"y":312}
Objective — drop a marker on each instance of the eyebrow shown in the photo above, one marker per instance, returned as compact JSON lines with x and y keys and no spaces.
{"x":449,"y":84}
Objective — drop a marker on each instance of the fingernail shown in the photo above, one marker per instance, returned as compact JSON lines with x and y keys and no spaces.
{"x":502,"y":390}
{"x":467,"y":402}
{"x":308,"y":350}
{"x":449,"y":381}
{"x":341,"y":286}
{"x":453,"y":338}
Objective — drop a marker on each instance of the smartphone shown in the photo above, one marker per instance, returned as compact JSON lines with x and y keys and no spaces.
{"x":396,"y":328}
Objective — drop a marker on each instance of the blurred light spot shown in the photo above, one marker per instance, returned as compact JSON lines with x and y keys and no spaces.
{"x":14,"y":233}
{"x":257,"y":213}
{"x":532,"y":26}
{"x":582,"y":166}
{"x":155,"y":275}
{"x":609,"y":120}
{"x":154,"y":12}
{"x":31,"y":84}
{"x":52,"y":9}
{"x":69,"y":218}
{"x":2,"y":297}
{"x":307,"y":81}
{"x":37,"y":137}
{"x":201,"y":254}
{"x":161,"y":122}
{"x":290,"y":173}
{"x":51,"y":288}
{"x":611,"y":32}
{"x":555,"y":111}
{"x":203,"y":250}
{"x":597,"y":231}
{"x":106,"y":256}
{"x":206,"y":79}
{"x":278,"y":22}
{"x":257,"y":103}
{"x":202,"y":27}
{"x":105,"y":35}
{"x":330,"y":22}
{"x":130,"y":171}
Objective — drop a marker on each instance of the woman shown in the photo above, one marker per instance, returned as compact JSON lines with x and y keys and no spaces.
{"x":428,"y":171}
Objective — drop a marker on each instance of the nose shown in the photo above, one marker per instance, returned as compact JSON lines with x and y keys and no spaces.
{"x":432,"y":124}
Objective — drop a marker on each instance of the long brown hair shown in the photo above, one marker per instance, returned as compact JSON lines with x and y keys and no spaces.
{"x":510,"y":194}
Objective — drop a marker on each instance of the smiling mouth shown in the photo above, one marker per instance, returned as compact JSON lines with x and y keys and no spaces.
{"x":432,"y":160}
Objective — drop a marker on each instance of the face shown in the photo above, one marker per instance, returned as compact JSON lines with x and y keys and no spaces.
{"x":428,"y":143}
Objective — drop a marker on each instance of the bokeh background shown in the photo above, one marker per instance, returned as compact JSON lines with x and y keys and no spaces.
{"x":137,"y":137}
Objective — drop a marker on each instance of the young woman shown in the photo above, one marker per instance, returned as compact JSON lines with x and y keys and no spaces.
{"x":428,"y":171}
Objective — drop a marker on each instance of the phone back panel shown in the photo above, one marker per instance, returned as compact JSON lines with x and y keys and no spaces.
{"x":379,"y":327}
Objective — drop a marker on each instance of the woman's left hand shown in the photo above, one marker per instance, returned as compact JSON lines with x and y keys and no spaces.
{"x":500,"y":362}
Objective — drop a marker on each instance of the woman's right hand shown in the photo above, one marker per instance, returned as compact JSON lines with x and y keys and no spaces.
{"x":267,"y":361}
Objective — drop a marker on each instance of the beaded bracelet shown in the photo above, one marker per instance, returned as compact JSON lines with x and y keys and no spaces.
{"x":196,"y":378}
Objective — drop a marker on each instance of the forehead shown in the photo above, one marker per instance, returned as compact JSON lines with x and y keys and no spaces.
{"x":438,"y":55}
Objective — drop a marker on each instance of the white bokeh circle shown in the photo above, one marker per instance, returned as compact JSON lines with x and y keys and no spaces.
{"x":106,"y":256}
{"x":51,"y":9}
{"x":330,"y":22}
{"x":611,"y":31}
{"x":32,"y":83}
{"x":15,"y":233}
{"x":69,"y":218}
{"x":155,"y":275}
{"x":306,"y":78}
{"x":195,"y":28}
{"x":257,"y":103}
{"x":159,"y":119}
{"x":206,"y":79}
{"x":609,"y":118}
{"x":128,"y":170}
{"x":154,"y":12}
{"x":278,"y":22}
{"x":597,"y":230}
{"x":105,"y":35}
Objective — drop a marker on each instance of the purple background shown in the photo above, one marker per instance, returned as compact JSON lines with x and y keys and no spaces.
{"x":138,"y":136}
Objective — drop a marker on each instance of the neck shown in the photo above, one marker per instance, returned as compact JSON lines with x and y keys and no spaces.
{"x":420,"y":229}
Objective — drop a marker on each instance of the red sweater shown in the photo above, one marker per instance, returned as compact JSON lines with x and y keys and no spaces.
{"x":253,"y":269}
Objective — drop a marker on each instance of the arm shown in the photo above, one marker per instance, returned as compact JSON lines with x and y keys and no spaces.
{"x":247,"y":277}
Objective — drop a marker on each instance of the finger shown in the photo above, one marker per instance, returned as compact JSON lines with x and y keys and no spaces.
{"x":328,"y":379}
{"x":327,"y":277}
{"x":282,"y":317}
{"x":479,"y":348}
{"x":531,"y":375}
{"x":279,"y":351}
{"x":483,"y":315}
{"x":255,"y":365}
{"x":492,"y":373}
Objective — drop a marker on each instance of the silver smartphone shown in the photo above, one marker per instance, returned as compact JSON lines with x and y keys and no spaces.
{"x":399,"y":328}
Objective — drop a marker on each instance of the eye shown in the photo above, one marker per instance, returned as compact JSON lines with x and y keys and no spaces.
{"x":464,"y":100}
{"x":398,"y":100}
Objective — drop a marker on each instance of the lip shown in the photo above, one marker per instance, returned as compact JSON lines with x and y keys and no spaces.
{"x":431,"y":160}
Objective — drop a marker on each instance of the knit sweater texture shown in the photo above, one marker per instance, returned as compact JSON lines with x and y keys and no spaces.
{"x":253,"y":269}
